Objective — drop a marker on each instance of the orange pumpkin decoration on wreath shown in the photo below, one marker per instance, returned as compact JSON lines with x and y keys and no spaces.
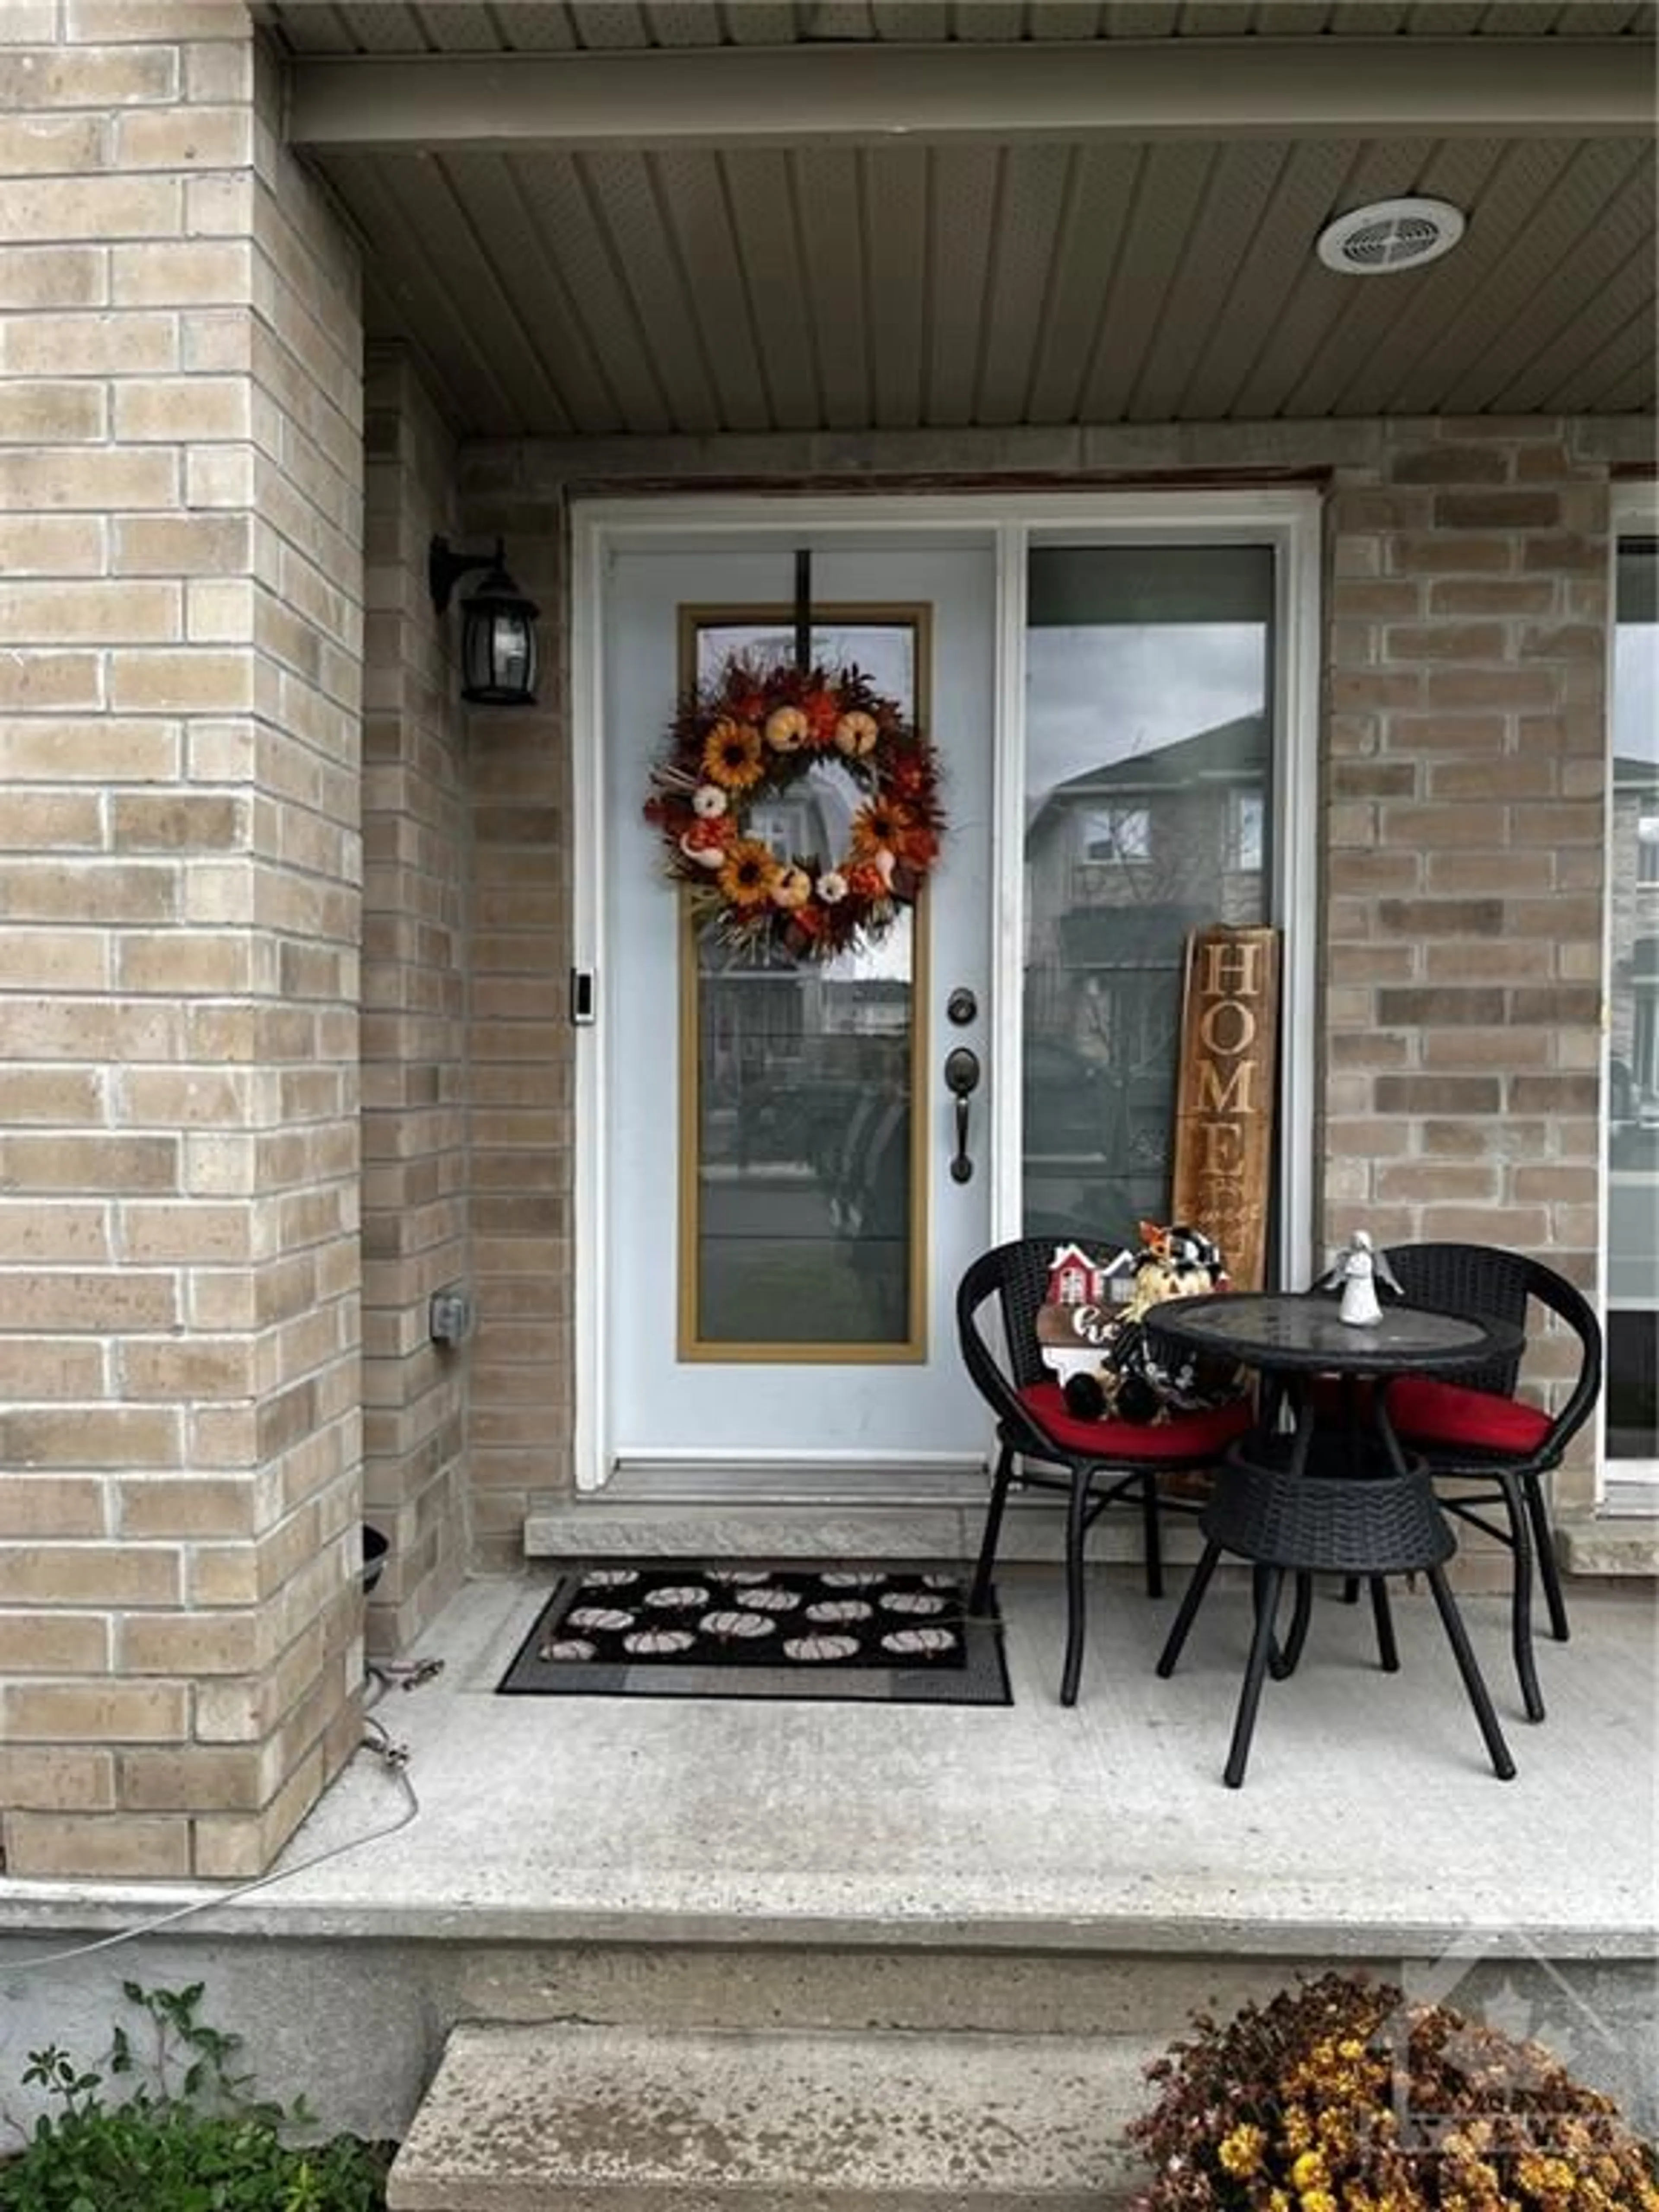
{"x":750,"y":737}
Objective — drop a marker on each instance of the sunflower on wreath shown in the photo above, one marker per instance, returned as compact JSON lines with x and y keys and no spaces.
{"x":750,"y":737}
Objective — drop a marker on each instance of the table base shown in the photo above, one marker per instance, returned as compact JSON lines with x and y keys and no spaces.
{"x":1364,"y":1528}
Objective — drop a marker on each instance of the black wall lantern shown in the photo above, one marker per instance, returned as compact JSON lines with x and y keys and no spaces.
{"x":498,"y":627}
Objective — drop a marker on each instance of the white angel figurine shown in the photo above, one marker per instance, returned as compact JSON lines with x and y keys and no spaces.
{"x":1357,"y":1267}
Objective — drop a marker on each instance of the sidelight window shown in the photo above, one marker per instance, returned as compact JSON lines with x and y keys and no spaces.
{"x":1148,"y":805}
{"x":1631,"y":1109}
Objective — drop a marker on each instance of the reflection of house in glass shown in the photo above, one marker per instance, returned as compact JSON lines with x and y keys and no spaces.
{"x":786,"y":1041}
{"x":1632,"y":1111}
{"x":812,"y":822}
{"x":1633,"y":948}
{"x":1121,"y":862}
{"x":804,"y":1135}
{"x":789,"y":1046}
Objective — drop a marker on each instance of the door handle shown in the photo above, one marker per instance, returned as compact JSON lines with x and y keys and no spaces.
{"x":962,"y":1080}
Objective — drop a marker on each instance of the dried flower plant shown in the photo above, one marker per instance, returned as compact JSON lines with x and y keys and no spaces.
{"x":1339,"y":2096}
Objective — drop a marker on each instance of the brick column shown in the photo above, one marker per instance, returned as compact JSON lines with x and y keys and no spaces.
{"x":1465,"y":836}
{"x":521,"y":1074}
{"x":414,"y":1230}
{"x":179,"y":495}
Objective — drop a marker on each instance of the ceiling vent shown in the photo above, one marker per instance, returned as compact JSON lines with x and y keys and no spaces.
{"x":1391,"y":236}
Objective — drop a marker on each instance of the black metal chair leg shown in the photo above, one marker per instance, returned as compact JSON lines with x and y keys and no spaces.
{"x":1388,"y":1652}
{"x":1283,"y":1659}
{"x":1532,"y":1697}
{"x":1255,"y":1673}
{"x":1077,"y":1534}
{"x":1497,"y":1750}
{"x":1350,"y":1590}
{"x":1184,"y":1619}
{"x":988,"y":1547}
{"x":1544,"y":1542}
{"x":1152,"y":1536}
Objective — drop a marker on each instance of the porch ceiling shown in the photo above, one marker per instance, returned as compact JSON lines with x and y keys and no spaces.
{"x":592,"y":219}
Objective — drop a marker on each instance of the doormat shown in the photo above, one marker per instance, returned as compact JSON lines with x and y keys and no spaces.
{"x":681,"y":1628}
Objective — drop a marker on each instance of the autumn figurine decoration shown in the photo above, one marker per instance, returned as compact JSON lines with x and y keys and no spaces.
{"x":748,"y":740}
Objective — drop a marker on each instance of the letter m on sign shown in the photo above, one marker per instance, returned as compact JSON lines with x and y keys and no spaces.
{"x":1224,"y":1147}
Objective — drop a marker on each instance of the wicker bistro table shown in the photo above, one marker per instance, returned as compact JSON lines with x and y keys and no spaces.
{"x":1334,"y":1491}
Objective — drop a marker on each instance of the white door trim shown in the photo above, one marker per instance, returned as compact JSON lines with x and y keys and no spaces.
{"x":1287,"y":519}
{"x":1008,"y":872}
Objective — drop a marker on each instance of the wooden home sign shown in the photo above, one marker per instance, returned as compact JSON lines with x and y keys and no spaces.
{"x":1225,"y":1100}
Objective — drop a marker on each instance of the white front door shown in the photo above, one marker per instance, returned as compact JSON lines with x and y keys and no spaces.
{"x":782,"y":1229}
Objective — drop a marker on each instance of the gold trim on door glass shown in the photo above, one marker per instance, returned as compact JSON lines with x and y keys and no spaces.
{"x":911,"y":1349}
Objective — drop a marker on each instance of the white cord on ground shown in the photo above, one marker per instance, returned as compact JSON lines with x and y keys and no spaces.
{"x":395,"y":1757}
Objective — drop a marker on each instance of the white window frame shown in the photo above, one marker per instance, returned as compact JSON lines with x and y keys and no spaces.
{"x":1288,"y":519}
{"x":1113,"y":817}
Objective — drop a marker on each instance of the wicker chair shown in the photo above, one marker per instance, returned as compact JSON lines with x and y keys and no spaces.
{"x":1486,"y":1446}
{"x":1092,"y":1463}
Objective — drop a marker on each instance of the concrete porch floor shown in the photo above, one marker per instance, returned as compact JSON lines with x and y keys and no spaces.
{"x":1369,"y":1812}
{"x":666,"y":1864}
{"x":1369,"y":1820}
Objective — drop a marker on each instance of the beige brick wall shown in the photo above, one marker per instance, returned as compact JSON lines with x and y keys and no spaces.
{"x":1461,"y":826}
{"x":185,"y":1135}
{"x":519,"y":1052}
{"x":180,"y":495}
{"x":416,"y":1237}
{"x":1465,"y":836}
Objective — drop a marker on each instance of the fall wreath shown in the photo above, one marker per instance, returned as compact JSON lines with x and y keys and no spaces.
{"x":751,"y":737}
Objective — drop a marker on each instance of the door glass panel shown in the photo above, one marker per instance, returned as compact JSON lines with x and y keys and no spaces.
{"x":1149,"y":811}
{"x":800,"y":1183}
{"x":1631,"y":1398}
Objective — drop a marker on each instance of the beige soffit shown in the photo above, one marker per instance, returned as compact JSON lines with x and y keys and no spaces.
{"x":613,"y":26}
{"x":840,"y":232}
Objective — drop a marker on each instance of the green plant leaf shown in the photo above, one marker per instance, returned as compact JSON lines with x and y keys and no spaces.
{"x":211,"y":2147}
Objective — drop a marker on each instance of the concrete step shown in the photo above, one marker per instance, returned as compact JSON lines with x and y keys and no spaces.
{"x":628,"y":2119}
{"x":606,"y":1525}
{"x":1610,"y":1544}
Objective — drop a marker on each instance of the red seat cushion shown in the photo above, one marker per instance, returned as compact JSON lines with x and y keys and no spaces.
{"x":1430,"y":1412}
{"x":1182,"y":1436}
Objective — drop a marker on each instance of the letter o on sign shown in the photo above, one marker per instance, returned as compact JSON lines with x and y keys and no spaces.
{"x":1228,"y":1026}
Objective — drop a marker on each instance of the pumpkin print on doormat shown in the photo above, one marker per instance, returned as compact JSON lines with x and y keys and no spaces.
{"x":680,"y":1628}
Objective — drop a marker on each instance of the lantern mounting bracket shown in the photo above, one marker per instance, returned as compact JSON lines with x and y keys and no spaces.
{"x":445,"y":567}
